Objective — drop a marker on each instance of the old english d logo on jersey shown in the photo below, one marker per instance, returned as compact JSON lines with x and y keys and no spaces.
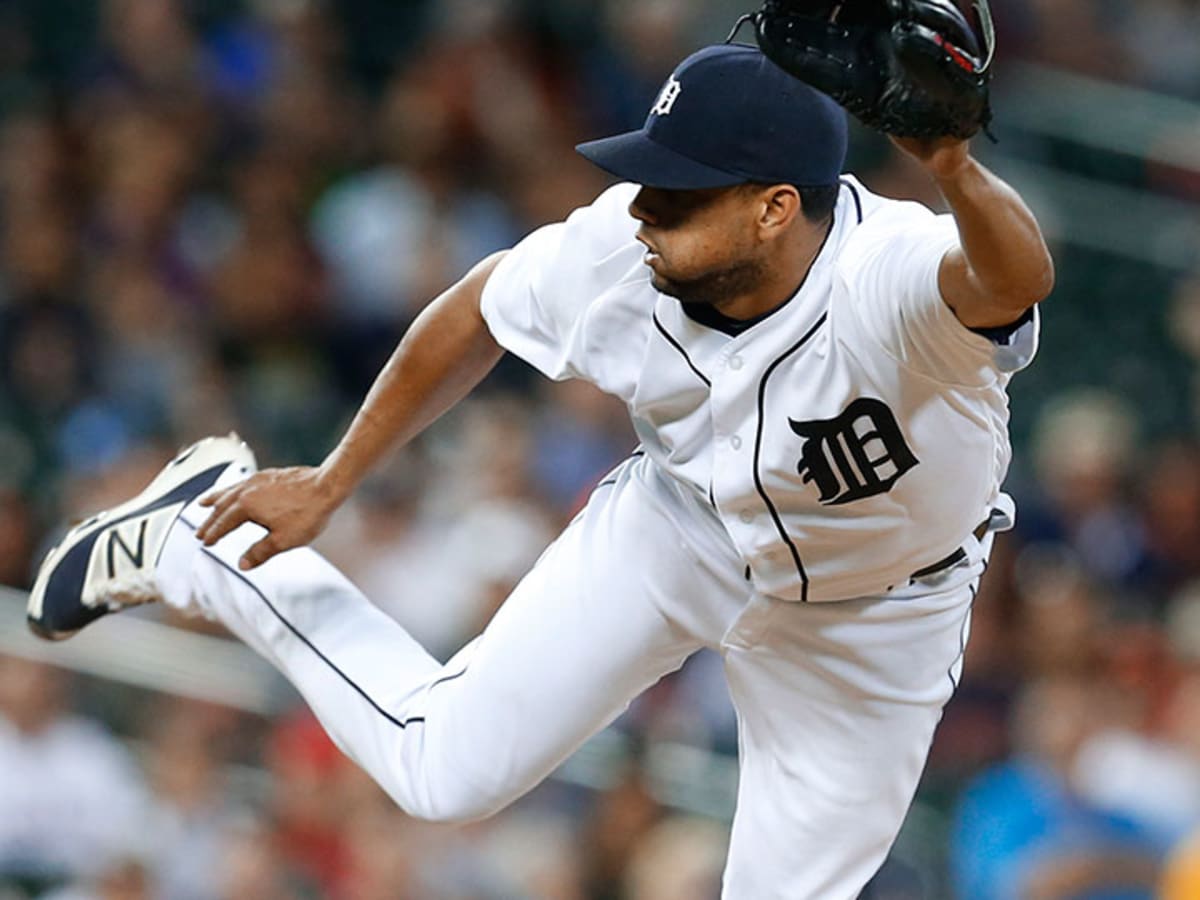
{"x":859,"y":454}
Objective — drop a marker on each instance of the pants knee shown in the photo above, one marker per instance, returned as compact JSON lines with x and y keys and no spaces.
{"x":456,"y":805}
{"x":444,"y":793}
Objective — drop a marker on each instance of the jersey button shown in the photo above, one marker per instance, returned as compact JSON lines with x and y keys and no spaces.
{"x":735,"y":362}
{"x":746,"y":516}
{"x":735,"y":442}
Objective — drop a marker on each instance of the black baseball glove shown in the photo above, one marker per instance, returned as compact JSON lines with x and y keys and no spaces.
{"x":909,"y":68}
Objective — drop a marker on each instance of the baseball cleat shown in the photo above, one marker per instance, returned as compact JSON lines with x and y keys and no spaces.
{"x":106,"y":563}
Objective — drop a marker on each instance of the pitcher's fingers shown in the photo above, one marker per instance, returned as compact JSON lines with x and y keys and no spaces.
{"x":219,"y":502}
{"x":221,"y":522}
{"x":260,"y":552}
{"x":213,"y":497}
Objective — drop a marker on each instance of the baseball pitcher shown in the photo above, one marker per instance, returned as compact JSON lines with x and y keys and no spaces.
{"x":817,"y":376}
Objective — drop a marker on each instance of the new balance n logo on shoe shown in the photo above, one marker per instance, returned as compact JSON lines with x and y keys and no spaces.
{"x":136,"y":554}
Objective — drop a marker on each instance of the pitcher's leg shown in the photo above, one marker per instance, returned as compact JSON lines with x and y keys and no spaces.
{"x":581,"y":635}
{"x":837,"y":704}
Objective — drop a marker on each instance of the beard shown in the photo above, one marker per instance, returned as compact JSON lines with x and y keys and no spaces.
{"x":712,"y":288}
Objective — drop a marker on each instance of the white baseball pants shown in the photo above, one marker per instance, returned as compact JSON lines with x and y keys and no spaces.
{"x":836,"y":702}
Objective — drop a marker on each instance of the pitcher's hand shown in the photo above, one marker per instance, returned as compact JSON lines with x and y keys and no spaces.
{"x":293,"y":504}
{"x":941,"y":157}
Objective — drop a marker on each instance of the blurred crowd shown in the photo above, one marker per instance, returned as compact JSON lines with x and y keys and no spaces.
{"x":222,"y":215}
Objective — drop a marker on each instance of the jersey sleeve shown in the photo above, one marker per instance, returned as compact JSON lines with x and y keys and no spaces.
{"x":536,"y":300}
{"x":890,"y":270}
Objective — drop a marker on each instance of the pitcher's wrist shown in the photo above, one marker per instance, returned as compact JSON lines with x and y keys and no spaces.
{"x":333,"y":480}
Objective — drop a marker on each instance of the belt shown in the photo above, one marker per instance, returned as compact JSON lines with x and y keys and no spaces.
{"x":954,"y":558}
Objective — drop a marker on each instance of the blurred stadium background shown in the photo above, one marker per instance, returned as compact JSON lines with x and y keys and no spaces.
{"x":222,"y":214}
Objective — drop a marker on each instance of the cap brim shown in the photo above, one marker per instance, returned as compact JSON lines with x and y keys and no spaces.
{"x":633,"y":156}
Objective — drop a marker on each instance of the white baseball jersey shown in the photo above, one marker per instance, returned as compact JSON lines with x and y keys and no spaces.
{"x":854,"y":436}
{"x":833,"y":449}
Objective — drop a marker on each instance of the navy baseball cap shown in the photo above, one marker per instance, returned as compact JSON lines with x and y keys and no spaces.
{"x":726,"y":116}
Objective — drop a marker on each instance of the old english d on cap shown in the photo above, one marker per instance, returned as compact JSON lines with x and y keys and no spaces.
{"x":728,"y":115}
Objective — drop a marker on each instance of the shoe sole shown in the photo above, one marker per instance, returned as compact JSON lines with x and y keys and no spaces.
{"x":188,"y":475}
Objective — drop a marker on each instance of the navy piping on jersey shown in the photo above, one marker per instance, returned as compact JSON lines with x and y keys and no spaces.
{"x":611,"y":477}
{"x":674,"y":343}
{"x":399,"y":723}
{"x":446,"y":678}
{"x":857,"y":199}
{"x":762,"y":492}
{"x":962,"y":631}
